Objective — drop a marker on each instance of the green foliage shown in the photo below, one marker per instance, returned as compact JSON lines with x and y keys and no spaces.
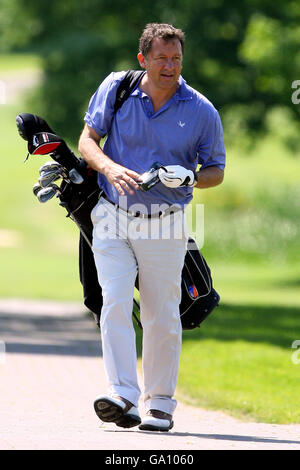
{"x":72,"y":74}
{"x":261,"y":228}
{"x":244,"y":56}
{"x":271,"y":48}
{"x":17,"y":26}
{"x":254,"y":214}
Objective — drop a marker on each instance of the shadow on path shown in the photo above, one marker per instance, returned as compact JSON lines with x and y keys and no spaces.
{"x":222,"y":437}
{"x":57,"y":333}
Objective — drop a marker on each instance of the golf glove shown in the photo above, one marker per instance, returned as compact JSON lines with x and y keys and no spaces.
{"x":174,"y":176}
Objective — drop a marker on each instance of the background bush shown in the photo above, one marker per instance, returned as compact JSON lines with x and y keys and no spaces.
{"x":244,"y":56}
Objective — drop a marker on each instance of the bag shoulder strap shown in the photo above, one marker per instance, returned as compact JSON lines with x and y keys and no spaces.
{"x":126,"y":86}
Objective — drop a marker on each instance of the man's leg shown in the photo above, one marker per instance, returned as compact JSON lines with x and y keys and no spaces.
{"x":160,"y":265}
{"x":117,"y":270}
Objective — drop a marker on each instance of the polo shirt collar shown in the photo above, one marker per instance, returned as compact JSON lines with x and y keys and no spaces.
{"x":182,"y":93}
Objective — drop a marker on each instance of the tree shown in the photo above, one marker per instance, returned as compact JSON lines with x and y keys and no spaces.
{"x":244,"y":56}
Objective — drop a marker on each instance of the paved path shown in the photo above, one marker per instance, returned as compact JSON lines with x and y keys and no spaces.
{"x":13,"y":84}
{"x":51,"y":372}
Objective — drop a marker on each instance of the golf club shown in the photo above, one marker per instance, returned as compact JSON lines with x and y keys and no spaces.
{"x":50,"y":166}
{"x":48,"y":177}
{"x":36,"y":188}
{"x":45,"y":194}
{"x":75,"y":177}
{"x":150,"y":178}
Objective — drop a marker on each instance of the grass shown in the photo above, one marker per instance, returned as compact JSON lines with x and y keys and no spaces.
{"x":253,"y":215}
{"x":239,"y":360}
{"x":38,"y":246}
{"x":258,"y":284}
{"x":15,"y":62}
{"x":250,"y":380}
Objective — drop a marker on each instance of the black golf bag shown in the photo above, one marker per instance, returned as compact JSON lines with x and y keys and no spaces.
{"x":199,"y":298}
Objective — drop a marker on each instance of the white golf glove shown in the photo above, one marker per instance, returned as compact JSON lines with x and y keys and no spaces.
{"x":174,"y":176}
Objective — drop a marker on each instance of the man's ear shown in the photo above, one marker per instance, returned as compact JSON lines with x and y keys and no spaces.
{"x":141,"y":60}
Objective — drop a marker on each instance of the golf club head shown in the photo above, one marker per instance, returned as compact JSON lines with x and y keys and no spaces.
{"x":42,"y":140}
{"x":47,"y":178}
{"x":75,"y":177}
{"x":48,"y":193}
{"x":29,"y":124}
{"x":36,"y":188}
{"x":43,"y":143}
{"x":50,"y":166}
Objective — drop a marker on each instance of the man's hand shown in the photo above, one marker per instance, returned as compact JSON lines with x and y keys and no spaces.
{"x":174,"y":176}
{"x":122,"y":178}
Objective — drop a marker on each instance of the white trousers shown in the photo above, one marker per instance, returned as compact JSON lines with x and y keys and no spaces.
{"x":123,"y":247}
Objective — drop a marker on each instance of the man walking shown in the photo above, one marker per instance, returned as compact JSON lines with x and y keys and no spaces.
{"x":163,"y":120}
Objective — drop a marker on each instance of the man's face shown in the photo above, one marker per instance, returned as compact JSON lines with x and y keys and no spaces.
{"x":163,"y":63}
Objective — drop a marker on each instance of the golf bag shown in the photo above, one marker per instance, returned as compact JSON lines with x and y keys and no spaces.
{"x":199,"y":298}
{"x":79,"y":193}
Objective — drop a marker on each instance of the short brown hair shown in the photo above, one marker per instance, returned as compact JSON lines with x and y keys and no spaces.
{"x":164,"y":31}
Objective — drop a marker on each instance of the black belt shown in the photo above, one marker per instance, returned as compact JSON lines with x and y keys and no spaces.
{"x":169,"y":211}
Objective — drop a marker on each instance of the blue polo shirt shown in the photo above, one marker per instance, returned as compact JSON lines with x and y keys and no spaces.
{"x":186,"y":131}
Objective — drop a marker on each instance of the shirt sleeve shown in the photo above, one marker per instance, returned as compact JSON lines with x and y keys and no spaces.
{"x":211,"y":149}
{"x":100,"y":111}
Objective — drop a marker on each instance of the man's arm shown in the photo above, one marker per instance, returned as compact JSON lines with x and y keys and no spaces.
{"x":120,"y":177}
{"x":174,"y":176}
{"x":210,"y":176}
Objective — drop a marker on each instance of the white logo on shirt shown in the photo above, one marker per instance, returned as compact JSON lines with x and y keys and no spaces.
{"x":181,"y":124}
